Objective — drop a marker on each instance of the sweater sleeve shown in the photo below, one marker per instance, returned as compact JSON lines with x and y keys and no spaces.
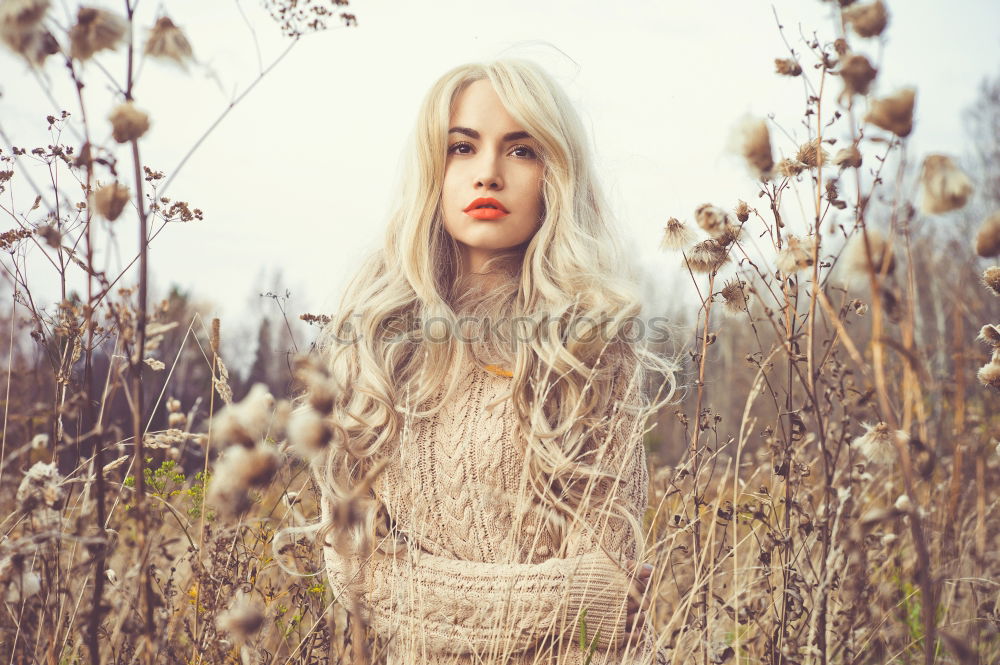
{"x":435,"y":603}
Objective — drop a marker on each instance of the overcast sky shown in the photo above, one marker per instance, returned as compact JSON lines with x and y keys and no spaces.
{"x":300,"y":177}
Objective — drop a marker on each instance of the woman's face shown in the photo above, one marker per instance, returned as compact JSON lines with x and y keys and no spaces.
{"x":490,"y":156}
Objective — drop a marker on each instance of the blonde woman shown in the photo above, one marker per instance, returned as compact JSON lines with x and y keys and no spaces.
{"x":484,"y":489}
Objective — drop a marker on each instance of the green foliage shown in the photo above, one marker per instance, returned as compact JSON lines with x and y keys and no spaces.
{"x":588,"y":647}
{"x":169,"y":481}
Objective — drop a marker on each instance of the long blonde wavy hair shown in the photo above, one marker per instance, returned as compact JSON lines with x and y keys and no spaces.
{"x":569,"y":285}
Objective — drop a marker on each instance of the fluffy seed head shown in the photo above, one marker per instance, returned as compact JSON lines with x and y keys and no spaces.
{"x":676,"y":235}
{"x":21,"y":584}
{"x":878,"y":443}
{"x":22,"y":14}
{"x":812,"y":154}
{"x":308,"y":432}
{"x":857,"y":73}
{"x":21,"y":29}
{"x":989,"y":375}
{"x":988,"y":237}
{"x":796,"y":255}
{"x":245,"y":422}
{"x":742,"y":211}
{"x":242,"y":620}
{"x":790,"y":167}
{"x":990,"y":334}
{"x":110,"y":200}
{"x":128,"y":123}
{"x":894,"y":113}
{"x":754,"y":141}
{"x":168,"y":42}
{"x":787,"y":67}
{"x":867,"y":20}
{"x":849,"y":157}
{"x":177,"y":420}
{"x":238,"y":470}
{"x":855,"y":259}
{"x":712,"y":219}
{"x":945,"y":186}
{"x":40,"y":487}
{"x":903,"y":503}
{"x":707,"y":256}
{"x":95,"y":30}
{"x":735,"y":296}
{"x":991,"y":278}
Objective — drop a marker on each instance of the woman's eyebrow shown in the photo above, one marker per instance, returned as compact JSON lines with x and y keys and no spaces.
{"x":471,"y":133}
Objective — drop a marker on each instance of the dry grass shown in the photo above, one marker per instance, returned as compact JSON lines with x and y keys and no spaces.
{"x":823,"y":494}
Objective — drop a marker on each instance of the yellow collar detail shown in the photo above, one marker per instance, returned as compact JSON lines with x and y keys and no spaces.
{"x":496,"y":369}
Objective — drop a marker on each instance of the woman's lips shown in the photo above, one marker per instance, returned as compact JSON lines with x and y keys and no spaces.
{"x":487,"y":214}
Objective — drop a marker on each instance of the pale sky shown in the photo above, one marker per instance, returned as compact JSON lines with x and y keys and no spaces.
{"x":300,"y":177}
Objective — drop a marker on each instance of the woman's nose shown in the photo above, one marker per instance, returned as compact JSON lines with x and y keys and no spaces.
{"x":489,"y":175}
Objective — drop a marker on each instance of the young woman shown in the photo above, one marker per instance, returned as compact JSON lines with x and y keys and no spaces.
{"x":484,"y":491}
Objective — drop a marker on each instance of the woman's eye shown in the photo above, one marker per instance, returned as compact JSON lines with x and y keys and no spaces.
{"x":460,"y":148}
{"x":523,"y":151}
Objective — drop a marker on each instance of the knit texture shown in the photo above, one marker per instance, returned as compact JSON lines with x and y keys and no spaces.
{"x":481,"y":582}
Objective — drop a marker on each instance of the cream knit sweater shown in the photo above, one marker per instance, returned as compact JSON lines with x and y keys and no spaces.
{"x":479,"y":583}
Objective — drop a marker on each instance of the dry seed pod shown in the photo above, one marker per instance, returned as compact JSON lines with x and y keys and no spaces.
{"x":95,"y":30}
{"x":988,"y":237}
{"x":857,"y":74}
{"x":128,"y":123}
{"x":707,"y":256}
{"x":676,"y":235}
{"x":742,"y":211}
{"x":856,"y":260}
{"x":110,"y":200}
{"x":712,"y":219}
{"x":945,"y":186}
{"x":878,"y":443}
{"x":754,"y":141}
{"x":849,"y":157}
{"x":167,"y":41}
{"x":990,"y":334}
{"x":989,"y":374}
{"x":991,"y":278}
{"x":867,"y":20}
{"x":812,"y":154}
{"x":894,"y":113}
{"x":735,"y":297}
{"x":796,"y":255}
{"x":787,"y":67}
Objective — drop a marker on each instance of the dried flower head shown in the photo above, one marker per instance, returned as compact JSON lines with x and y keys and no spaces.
{"x":849,"y":157}
{"x":176,"y":420}
{"x":41,"y":486}
{"x":128,"y":123}
{"x":21,"y":29}
{"x":812,"y":154}
{"x":797,"y":254}
{"x":867,"y":20}
{"x":309,"y":433}
{"x":167,"y":41}
{"x":894,"y":113}
{"x":239,"y":469}
{"x":22,"y":14}
{"x":712,"y":219}
{"x":321,"y":389}
{"x":945,"y":186}
{"x":173,"y":405}
{"x":991,"y":278}
{"x":110,"y":200}
{"x":245,"y":422}
{"x":787,"y":67}
{"x":95,"y":30}
{"x":753,"y":142}
{"x":242,"y":620}
{"x":735,"y":296}
{"x":742,"y":211}
{"x":988,"y":237}
{"x":20,"y":582}
{"x":878,"y":443}
{"x":790,"y":168}
{"x":990,"y":334}
{"x":676,"y":235}
{"x":858,"y":75}
{"x":707,"y":256}
{"x":903,"y":503}
{"x":856,"y":259}
{"x":989,"y":374}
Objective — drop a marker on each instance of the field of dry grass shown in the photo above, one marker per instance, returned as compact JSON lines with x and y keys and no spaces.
{"x":823,"y":492}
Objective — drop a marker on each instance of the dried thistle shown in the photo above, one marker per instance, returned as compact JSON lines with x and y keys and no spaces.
{"x":988,"y":238}
{"x":990,"y":334}
{"x":707,"y":256}
{"x":867,"y":20}
{"x":41,"y":486}
{"x":849,"y":157}
{"x":754,"y":141}
{"x":742,"y":211}
{"x":945,"y":186}
{"x":308,"y":432}
{"x":110,"y":200}
{"x":22,"y":15}
{"x":857,"y":74}
{"x":894,"y":113}
{"x":712,"y":219}
{"x":991,"y":278}
{"x":796,"y":255}
{"x":790,"y":168}
{"x":95,"y":30}
{"x":239,"y":469}
{"x":878,"y":443}
{"x":735,"y":296}
{"x":855,"y":258}
{"x":245,"y":422}
{"x":989,"y":374}
{"x":812,"y":154}
{"x":128,"y":123}
{"x":676,"y":235}
{"x":787,"y":67}
{"x":167,"y":41}
{"x":21,"y":29}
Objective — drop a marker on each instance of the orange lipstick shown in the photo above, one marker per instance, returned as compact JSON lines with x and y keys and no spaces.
{"x":486,"y":209}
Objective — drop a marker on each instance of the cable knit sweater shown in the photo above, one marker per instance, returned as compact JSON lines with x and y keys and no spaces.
{"x":479,"y":583}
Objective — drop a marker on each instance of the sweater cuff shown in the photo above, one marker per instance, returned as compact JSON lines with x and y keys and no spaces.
{"x":600,"y":586}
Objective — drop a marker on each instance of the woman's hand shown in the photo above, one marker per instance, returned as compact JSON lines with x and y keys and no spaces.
{"x":638,"y":599}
